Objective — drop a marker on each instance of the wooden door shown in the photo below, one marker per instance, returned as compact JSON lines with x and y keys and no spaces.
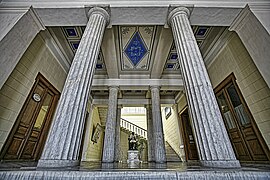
{"x":28,"y":135}
{"x":188,"y":137}
{"x":236,"y":136}
{"x":246,"y":139}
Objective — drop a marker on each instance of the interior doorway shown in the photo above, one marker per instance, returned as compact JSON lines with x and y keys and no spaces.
{"x":246,"y":139}
{"x":28,"y":135}
{"x":188,"y":136}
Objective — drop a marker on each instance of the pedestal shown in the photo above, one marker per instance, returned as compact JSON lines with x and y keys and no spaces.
{"x":133,"y":156}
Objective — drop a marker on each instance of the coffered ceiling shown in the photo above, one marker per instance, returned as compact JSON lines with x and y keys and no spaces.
{"x":135,"y":50}
{"x":141,"y":55}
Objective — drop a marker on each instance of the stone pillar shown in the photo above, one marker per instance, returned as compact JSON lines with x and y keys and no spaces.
{"x":214,"y":146}
{"x":64,"y":140}
{"x":109,"y":139}
{"x":117,"y":152}
{"x":159,"y":146}
{"x":150,"y":139}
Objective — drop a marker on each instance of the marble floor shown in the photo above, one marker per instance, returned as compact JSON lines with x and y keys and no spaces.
{"x":96,"y":170}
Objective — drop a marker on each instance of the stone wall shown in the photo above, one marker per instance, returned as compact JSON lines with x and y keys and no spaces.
{"x":235,"y":58}
{"x":13,"y":94}
{"x":94,"y":150}
{"x":172,"y":133}
{"x":124,"y":145}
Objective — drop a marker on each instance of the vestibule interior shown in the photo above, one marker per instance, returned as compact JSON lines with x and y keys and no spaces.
{"x":229,"y":58}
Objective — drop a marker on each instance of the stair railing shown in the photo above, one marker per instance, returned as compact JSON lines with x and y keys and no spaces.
{"x":134,"y":128}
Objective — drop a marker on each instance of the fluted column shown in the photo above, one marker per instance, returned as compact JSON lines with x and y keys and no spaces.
{"x":212,"y":139}
{"x":63,"y":143}
{"x":159,"y":146}
{"x":109,"y":139}
{"x":117,"y":152}
{"x":150,"y":139}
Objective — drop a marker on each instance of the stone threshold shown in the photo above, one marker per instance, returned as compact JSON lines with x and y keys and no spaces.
{"x":116,"y":175}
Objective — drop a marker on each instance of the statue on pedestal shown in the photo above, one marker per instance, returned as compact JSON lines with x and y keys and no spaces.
{"x":132,"y":142}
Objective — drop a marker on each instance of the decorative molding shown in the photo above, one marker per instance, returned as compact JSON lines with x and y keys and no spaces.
{"x":138,"y":84}
{"x":179,"y":96}
{"x":14,"y":9}
{"x":56,"y":50}
{"x":240,"y":19}
{"x":136,"y":48}
{"x":175,"y":9}
{"x":103,"y":9}
{"x":260,"y":7}
{"x":36,"y":18}
{"x":216,"y":48}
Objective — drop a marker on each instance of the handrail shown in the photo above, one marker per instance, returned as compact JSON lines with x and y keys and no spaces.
{"x":134,"y":128}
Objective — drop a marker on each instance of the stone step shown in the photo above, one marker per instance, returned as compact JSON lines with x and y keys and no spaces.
{"x":134,"y":174}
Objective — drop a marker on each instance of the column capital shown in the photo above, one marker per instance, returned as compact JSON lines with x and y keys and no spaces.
{"x":177,"y":11}
{"x":113,"y":87}
{"x":119,"y":106}
{"x":155,"y":87}
{"x":101,"y":11}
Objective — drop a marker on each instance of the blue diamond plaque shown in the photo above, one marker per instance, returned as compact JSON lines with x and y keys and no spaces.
{"x":136,"y":49}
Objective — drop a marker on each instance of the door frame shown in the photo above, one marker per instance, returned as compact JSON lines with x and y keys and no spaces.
{"x":183,"y":132}
{"x":232,"y":79}
{"x":14,"y":128}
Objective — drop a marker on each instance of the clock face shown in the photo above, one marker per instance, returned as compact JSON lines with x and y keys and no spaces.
{"x":36,"y":97}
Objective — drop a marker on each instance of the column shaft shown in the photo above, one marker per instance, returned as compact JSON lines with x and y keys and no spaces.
{"x":109,"y":139}
{"x":117,"y":152}
{"x":160,"y":155}
{"x":212,"y":139}
{"x":150,"y":139}
{"x":63,"y":143}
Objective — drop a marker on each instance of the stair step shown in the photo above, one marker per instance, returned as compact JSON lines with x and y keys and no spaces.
{"x":171,"y":155}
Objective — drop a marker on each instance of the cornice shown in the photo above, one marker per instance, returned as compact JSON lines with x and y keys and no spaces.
{"x":36,"y":19}
{"x":215,"y":49}
{"x":240,"y":19}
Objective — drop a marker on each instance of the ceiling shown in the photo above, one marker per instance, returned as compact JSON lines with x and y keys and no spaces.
{"x":135,"y":52}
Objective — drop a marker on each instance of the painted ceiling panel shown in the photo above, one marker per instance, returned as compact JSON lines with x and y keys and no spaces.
{"x":136,"y":47}
{"x":172,"y":64}
{"x":73,"y":36}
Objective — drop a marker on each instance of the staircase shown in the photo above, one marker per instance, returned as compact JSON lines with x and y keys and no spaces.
{"x":130,"y":127}
{"x":102,"y":112}
{"x":171,"y":154}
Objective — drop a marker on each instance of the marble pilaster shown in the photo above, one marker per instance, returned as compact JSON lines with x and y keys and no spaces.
{"x":256,"y":39}
{"x":117,"y":152}
{"x":179,"y":135}
{"x":215,"y":149}
{"x":64,"y":140}
{"x":109,"y":139}
{"x":19,"y":26}
{"x":159,"y":146}
{"x":150,"y":139}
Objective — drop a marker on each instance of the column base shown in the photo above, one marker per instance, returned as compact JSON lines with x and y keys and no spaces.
{"x":221,"y":164}
{"x":51,"y":163}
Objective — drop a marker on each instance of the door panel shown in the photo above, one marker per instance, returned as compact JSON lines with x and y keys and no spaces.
{"x":29,"y":150}
{"x":29,"y":132}
{"x":235,"y":135}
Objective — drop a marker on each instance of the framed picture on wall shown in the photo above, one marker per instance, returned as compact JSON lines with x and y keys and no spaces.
{"x":96,"y":133}
{"x":168,"y":112}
